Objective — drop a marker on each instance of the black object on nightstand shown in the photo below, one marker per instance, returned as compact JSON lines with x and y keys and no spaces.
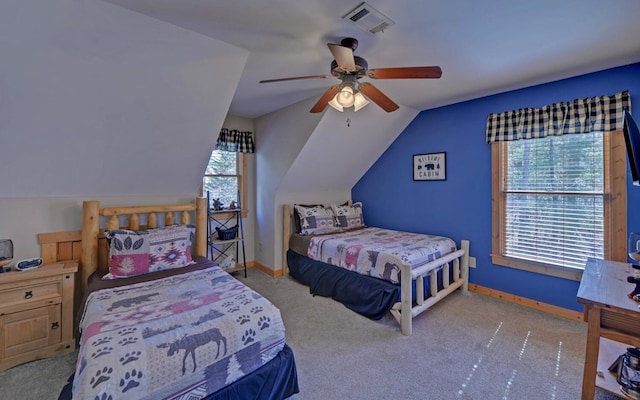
{"x":6,"y":254}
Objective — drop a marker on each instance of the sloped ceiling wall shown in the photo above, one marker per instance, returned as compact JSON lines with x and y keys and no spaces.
{"x":339,"y":152}
{"x":100,"y":100}
{"x":317,"y":158}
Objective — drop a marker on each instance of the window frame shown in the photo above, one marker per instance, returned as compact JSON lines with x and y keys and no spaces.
{"x":615,"y":209}
{"x":241,"y":168}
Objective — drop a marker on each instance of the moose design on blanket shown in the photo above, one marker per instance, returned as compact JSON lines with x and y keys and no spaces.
{"x":162,"y":339}
{"x":378,"y":252}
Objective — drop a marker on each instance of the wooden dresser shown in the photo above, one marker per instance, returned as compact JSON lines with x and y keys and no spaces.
{"x":613,"y":322}
{"x":36,"y":313}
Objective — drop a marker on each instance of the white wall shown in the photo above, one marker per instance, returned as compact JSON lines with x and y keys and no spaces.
{"x":280,"y":137}
{"x":24,"y":217}
{"x":99,"y":102}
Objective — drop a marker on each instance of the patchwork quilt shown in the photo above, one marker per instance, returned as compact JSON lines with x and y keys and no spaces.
{"x":378,"y":252}
{"x":180,"y":337}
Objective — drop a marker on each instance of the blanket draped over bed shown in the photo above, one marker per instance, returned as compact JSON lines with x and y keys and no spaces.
{"x":378,"y":252}
{"x":185,"y":335}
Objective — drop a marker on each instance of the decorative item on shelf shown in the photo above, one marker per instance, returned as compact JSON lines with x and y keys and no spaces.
{"x":6,"y":253}
{"x":629,"y":372}
{"x":228,"y":263}
{"x":227,"y":234}
{"x":217,"y":204}
{"x":228,"y":237}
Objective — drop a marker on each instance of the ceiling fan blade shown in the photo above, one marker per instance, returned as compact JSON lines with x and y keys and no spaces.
{"x":405,"y":73}
{"x":297,"y":78}
{"x":325,"y":99}
{"x":343,"y":56}
{"x":375,"y":95}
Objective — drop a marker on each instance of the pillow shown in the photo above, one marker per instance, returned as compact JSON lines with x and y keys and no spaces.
{"x":349,"y":216}
{"x":296,"y":216}
{"x":134,"y":253}
{"x":316,"y":220}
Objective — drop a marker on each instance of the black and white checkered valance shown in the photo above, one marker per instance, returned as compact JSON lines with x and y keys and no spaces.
{"x":235,"y":141}
{"x":597,"y":114}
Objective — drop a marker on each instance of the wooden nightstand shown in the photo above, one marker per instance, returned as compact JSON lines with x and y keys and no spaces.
{"x":36,"y":313}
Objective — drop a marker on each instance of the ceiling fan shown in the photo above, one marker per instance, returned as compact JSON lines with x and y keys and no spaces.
{"x":349,"y":69}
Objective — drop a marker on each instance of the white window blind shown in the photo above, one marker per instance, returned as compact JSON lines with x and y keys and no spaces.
{"x":554,"y":191}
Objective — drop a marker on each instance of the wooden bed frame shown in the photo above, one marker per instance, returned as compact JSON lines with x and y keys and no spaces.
{"x":460,"y":259}
{"x":90,"y":246}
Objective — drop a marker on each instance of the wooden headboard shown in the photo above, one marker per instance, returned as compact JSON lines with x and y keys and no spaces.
{"x":90,"y":246}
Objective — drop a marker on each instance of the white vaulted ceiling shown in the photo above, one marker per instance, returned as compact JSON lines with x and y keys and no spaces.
{"x":484,"y":47}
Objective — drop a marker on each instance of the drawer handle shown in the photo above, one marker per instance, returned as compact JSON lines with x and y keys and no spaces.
{"x":55,"y":325}
{"x":28,"y":295}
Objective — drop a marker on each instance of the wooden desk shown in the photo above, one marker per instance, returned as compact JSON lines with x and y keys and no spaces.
{"x":613,"y":322}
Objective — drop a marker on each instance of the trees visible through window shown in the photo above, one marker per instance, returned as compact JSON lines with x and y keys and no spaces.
{"x":555,"y":204}
{"x":223,"y":177}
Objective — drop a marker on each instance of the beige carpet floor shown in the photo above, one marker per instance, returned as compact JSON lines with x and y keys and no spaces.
{"x":468,"y":346}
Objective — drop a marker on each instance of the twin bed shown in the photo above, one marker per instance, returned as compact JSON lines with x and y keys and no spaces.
{"x":157,"y":323}
{"x":372,"y":271}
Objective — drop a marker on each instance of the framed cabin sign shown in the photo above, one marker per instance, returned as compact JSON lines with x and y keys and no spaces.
{"x":430,"y":167}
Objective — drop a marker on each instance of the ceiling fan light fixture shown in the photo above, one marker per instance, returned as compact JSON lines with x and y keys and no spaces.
{"x":348,"y":97}
{"x":334,"y":103}
{"x":345,"y":96}
{"x":359,"y":101}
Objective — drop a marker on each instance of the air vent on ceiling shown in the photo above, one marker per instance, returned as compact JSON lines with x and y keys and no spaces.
{"x":368,"y":18}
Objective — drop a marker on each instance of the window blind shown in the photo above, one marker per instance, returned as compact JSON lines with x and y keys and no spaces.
{"x":554,"y":194}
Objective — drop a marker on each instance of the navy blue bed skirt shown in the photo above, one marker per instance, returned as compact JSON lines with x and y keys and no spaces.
{"x":366,"y":295}
{"x":276,"y":380}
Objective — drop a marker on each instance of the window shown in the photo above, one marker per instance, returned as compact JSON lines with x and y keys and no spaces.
{"x":559,"y":200}
{"x":223,"y":178}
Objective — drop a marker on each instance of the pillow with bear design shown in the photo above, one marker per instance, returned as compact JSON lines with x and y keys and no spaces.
{"x":349,"y":216}
{"x":316,"y":220}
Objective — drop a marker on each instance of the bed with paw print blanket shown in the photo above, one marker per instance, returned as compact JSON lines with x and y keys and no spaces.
{"x":378,"y":252}
{"x":183,"y":336}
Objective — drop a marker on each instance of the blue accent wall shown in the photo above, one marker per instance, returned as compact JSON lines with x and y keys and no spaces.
{"x":460,"y":206}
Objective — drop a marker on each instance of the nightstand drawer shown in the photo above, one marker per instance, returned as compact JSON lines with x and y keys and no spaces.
{"x":44,"y":289}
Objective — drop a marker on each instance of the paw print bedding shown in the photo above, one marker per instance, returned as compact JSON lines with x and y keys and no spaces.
{"x":179,"y":337}
{"x":378,"y":252}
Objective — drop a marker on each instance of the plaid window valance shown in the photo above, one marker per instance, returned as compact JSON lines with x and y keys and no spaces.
{"x":597,"y":114}
{"x":235,"y":141}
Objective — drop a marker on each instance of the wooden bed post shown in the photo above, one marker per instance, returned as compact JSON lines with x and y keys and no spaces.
{"x":286,"y":233}
{"x":201,"y":226}
{"x":406,"y":314}
{"x":89,"y":237}
{"x":464,"y":268}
